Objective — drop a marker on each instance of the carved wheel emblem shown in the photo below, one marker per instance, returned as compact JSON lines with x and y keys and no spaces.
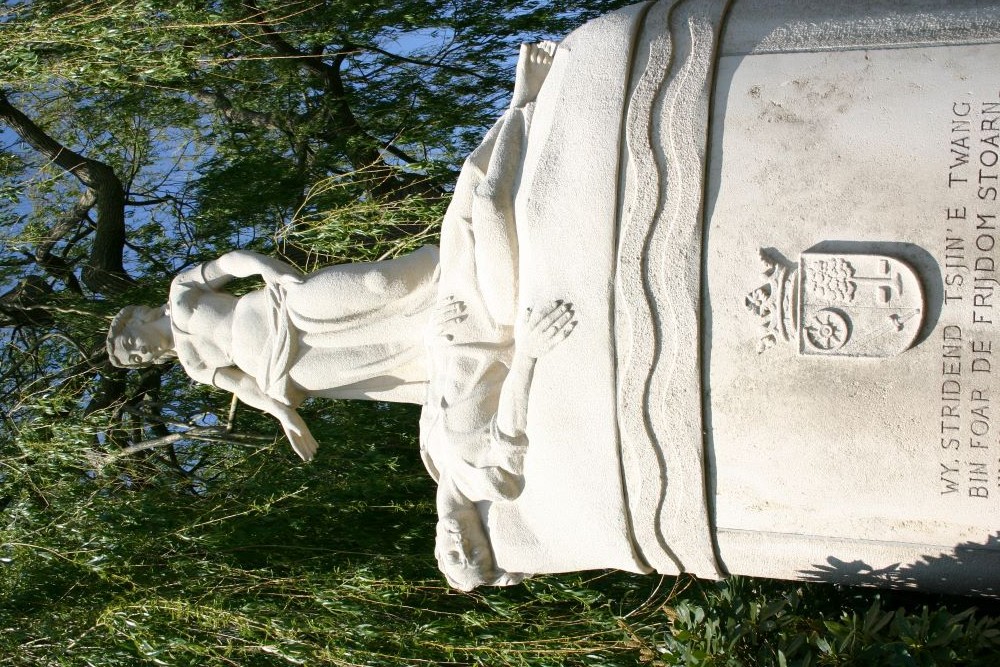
{"x":828,"y":330}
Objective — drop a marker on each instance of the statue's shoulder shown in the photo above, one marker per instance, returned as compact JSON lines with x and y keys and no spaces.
{"x":186,"y":289}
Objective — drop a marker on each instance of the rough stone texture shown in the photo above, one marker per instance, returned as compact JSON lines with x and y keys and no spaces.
{"x":658,"y":296}
{"x":572,"y":512}
{"x":878,"y":467}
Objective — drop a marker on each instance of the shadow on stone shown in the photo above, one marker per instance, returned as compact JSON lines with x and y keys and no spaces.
{"x":969,"y":569}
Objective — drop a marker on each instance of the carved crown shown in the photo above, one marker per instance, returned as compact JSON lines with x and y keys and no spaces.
{"x":774,"y":301}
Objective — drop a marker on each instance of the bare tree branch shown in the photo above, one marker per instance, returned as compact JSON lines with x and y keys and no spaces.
{"x":234,"y":114}
{"x":344,"y":122}
{"x":105,"y":270}
{"x":417,"y":61}
{"x":57,"y":266}
{"x":204,"y":433}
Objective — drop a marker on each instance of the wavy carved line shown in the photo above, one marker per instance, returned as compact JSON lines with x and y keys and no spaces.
{"x":660,"y":228}
{"x":685,"y":519}
{"x":638,"y":356}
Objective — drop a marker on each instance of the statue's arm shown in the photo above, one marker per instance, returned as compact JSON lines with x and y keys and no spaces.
{"x":245,"y":388}
{"x":478,"y":439}
{"x":538,"y":331}
{"x":242,"y":264}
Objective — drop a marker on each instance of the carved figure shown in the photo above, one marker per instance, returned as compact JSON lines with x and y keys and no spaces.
{"x":472,"y":428}
{"x":481,"y":355}
{"x":457,"y":333}
{"x":595,"y":187}
{"x":373,"y":331}
{"x":351,"y":331}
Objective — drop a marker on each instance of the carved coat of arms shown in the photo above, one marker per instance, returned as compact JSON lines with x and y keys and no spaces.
{"x":849,"y":305}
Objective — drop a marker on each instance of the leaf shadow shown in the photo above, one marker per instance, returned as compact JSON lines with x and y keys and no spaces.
{"x":970,"y":568}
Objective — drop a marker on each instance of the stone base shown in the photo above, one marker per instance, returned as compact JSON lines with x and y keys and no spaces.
{"x":781,"y":244}
{"x":880,"y":462}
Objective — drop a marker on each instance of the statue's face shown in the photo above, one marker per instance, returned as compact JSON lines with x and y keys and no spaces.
{"x":141,"y":344}
{"x":463,"y":552}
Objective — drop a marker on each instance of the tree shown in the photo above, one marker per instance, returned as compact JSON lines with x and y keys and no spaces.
{"x":143,"y":137}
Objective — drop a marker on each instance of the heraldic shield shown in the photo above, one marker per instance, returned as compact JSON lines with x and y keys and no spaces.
{"x":846,"y":305}
{"x":857,"y":305}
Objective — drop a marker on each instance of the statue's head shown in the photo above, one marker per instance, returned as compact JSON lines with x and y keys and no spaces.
{"x":463,"y":552}
{"x":135,"y":340}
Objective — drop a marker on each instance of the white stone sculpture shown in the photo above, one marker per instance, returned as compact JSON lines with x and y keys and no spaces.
{"x":373,"y":331}
{"x":826,"y":417}
{"x":352,"y":331}
{"x":276,"y":346}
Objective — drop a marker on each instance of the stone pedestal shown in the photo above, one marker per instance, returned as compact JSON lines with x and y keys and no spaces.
{"x":852,"y":374}
{"x":799,"y":294}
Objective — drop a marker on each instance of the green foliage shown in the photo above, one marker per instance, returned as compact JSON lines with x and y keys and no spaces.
{"x":256,"y":559}
{"x":750,"y":622}
{"x":331,"y":223}
{"x":323,"y":563}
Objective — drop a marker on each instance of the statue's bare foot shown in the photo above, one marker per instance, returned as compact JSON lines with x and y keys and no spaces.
{"x":542,"y":53}
{"x":532,"y":67}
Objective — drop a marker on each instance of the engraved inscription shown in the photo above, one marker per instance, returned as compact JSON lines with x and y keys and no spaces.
{"x":968,"y":453}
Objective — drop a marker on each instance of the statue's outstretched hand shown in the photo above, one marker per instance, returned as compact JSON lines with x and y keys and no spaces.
{"x":448,"y":315}
{"x":541,"y":329}
{"x":298,"y":435}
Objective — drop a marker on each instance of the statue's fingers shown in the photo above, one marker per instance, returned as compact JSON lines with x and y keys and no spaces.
{"x":540,"y":315}
{"x":451,"y":309}
{"x":302,"y":442}
{"x":532,"y":316}
{"x":303,"y":450}
{"x":310,"y":447}
{"x":558,"y":310}
{"x":556,"y":336}
{"x":448,"y":308}
{"x":556,"y":327}
{"x":449,"y":315}
{"x":446,"y":328}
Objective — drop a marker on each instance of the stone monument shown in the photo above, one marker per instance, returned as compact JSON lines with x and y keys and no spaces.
{"x":715,"y":295}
